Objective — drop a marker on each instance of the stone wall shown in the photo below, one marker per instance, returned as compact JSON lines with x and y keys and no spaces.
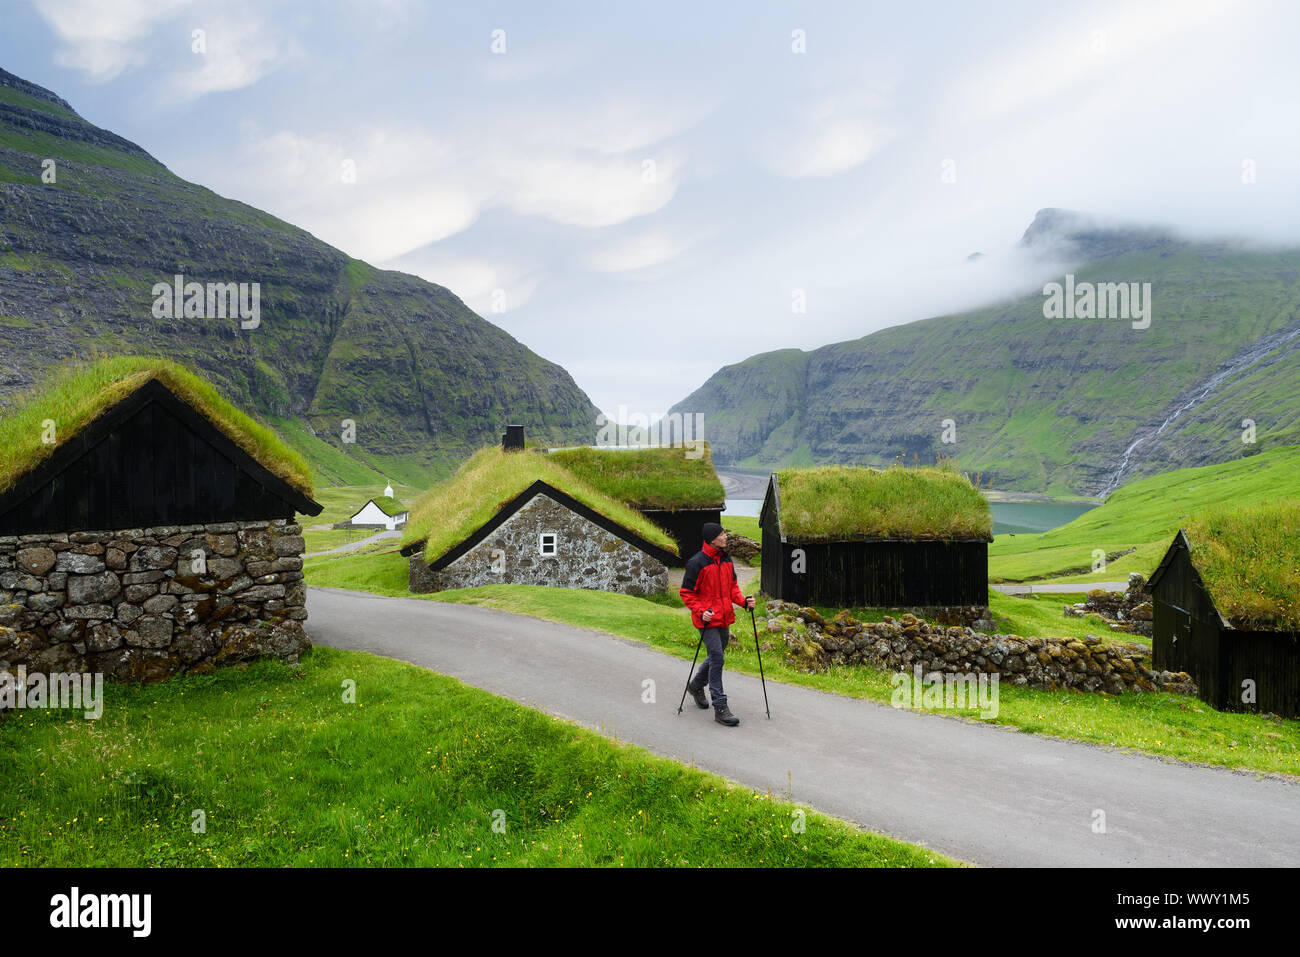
{"x":140,"y":604}
{"x":1088,"y":664}
{"x":586,"y":556}
{"x":1129,"y":611}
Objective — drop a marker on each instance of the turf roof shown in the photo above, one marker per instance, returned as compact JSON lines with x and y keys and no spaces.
{"x":389,"y":506}
{"x":1249,"y":561}
{"x":664,"y":478}
{"x":845,"y":503}
{"x":76,"y":395}
{"x":453,"y":510}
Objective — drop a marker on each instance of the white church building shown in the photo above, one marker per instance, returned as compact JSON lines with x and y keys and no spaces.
{"x":384,"y":512}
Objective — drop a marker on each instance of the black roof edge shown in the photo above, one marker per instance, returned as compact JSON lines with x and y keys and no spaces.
{"x":568,"y":501}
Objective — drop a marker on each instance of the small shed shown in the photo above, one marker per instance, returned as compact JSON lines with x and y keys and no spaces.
{"x":675,"y":487}
{"x":147,"y":527}
{"x":517,"y":517}
{"x":848,"y":536}
{"x":1226,"y":608}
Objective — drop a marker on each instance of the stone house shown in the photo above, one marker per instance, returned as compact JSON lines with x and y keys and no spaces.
{"x":156,"y":538}
{"x":544,"y":536}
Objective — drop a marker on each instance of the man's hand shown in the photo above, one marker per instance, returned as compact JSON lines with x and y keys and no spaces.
{"x":707,"y":614}
{"x":751,"y":602}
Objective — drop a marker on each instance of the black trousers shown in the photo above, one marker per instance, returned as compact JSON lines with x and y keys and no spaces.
{"x":710,"y":673}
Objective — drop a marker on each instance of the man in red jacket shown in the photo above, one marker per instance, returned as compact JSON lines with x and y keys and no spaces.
{"x":709,"y":589}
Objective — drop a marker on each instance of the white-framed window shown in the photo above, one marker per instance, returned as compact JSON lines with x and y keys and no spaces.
{"x":547,"y":543}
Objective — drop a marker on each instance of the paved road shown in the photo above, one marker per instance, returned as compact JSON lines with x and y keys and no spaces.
{"x":359,"y":543}
{"x":1050,"y":589}
{"x":972,"y":791}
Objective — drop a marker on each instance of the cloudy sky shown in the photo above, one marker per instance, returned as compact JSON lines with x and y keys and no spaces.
{"x":647,"y":192}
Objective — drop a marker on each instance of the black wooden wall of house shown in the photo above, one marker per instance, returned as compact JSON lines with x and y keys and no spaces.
{"x":148,"y":469}
{"x":877,"y":574}
{"x":1271,"y":659}
{"x":1186,"y":629}
{"x":686,"y":526}
{"x":773,"y":554}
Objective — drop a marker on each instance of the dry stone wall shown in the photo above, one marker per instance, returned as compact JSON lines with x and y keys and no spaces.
{"x":144,"y":604}
{"x":1090,"y":664}
{"x":586,"y":556}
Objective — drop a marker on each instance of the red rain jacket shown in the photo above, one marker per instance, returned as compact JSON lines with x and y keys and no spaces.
{"x":710,"y":582}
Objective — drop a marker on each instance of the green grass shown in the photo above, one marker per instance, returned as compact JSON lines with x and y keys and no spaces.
{"x":1249,"y":560}
{"x":77,"y":394}
{"x":413,"y":773}
{"x":647,"y":478}
{"x":452,"y":510}
{"x":834,"y":501}
{"x":744,"y":525}
{"x":1167,"y":725}
{"x":1144,"y":515}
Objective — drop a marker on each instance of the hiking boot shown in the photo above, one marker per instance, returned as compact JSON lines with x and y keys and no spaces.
{"x":698,"y":694}
{"x":724,"y":716}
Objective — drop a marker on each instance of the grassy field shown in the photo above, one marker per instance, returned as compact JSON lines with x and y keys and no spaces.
{"x":341,"y":502}
{"x":416,"y":771}
{"x":1167,"y":725}
{"x":1140,"y":519}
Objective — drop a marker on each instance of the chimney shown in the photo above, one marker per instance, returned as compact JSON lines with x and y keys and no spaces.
{"x":513,"y":439}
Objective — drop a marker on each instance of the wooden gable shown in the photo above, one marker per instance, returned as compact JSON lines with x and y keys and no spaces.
{"x":150,"y":460}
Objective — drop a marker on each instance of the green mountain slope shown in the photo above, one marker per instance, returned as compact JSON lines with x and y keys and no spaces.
{"x":423,"y":379}
{"x":1137,"y":523}
{"x":1043,"y":404}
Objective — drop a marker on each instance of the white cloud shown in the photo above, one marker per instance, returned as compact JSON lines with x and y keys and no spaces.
{"x":582,"y":189}
{"x":103,"y":38}
{"x":490,"y":288}
{"x":638,"y":252}
{"x":239,"y":51}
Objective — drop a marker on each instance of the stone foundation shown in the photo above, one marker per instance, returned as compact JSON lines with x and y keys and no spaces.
{"x":145,"y":604}
{"x":1091,"y":664}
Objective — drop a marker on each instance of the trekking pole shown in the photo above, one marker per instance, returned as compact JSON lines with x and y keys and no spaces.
{"x":692,"y":672}
{"x":760,"y":665}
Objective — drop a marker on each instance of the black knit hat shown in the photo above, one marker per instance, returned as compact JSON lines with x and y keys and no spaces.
{"x":711,"y":531}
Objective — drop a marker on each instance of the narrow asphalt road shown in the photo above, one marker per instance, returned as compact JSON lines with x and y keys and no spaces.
{"x":973,"y":791}
{"x":1054,"y":589}
{"x":359,"y":543}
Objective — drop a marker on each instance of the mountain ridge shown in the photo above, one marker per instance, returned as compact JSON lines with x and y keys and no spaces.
{"x":1040,"y":404}
{"x":423,"y":379}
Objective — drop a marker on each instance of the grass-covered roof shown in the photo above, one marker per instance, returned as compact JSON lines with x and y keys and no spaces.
{"x":845,"y":503}
{"x":453,"y":510}
{"x":1249,"y":560}
{"x":666,"y":478}
{"x":390,"y":506}
{"x":76,"y":395}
